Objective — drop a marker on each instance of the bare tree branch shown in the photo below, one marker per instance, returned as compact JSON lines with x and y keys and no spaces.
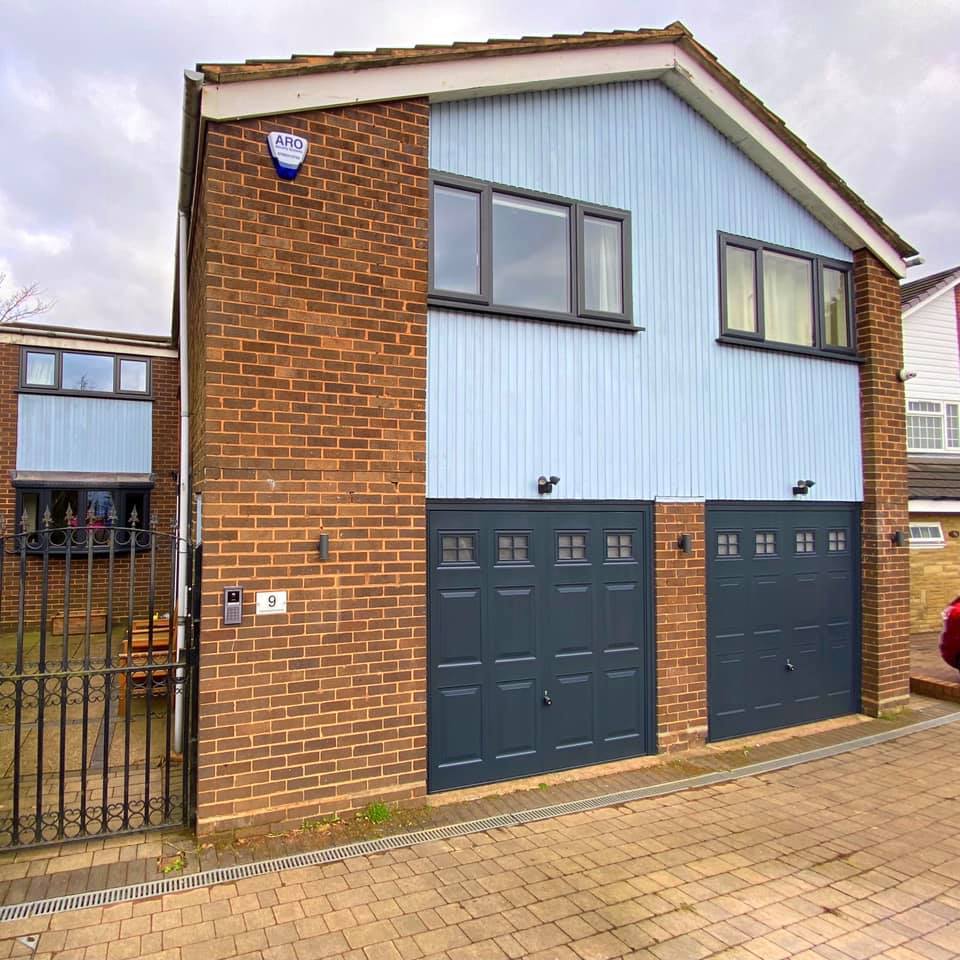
{"x":25,"y":303}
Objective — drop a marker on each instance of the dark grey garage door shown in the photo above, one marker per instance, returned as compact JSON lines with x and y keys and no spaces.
{"x":782,"y":616}
{"x":539,"y":640}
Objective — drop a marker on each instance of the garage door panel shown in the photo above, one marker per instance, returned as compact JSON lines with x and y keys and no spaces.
{"x":798,"y":661}
{"x":571,"y":620}
{"x":514,"y":710}
{"x":727,"y":601}
{"x":459,"y":620}
{"x":619,"y":704}
{"x":622,"y":611}
{"x":459,"y":726}
{"x":573,"y":725}
{"x":513,"y":623}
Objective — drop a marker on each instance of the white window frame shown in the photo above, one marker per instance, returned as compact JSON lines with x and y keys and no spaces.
{"x":927,"y":535}
{"x":935,"y":408}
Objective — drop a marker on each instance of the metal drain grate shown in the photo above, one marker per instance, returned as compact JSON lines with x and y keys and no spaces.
{"x":157,"y":888}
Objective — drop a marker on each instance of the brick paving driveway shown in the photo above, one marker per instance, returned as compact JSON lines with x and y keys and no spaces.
{"x":851,"y":857}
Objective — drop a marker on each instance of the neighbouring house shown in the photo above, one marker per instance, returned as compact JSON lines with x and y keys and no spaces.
{"x":931,"y":358}
{"x":544,"y":404}
{"x":89,"y":433}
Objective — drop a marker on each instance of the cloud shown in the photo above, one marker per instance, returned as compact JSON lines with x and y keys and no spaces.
{"x":91,"y":111}
{"x":116,"y":105}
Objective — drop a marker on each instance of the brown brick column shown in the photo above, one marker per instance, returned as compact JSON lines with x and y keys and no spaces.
{"x":681,"y":626}
{"x":885,"y":580}
{"x":313,"y":418}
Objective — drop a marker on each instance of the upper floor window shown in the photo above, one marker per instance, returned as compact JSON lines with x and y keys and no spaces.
{"x":76,"y":373}
{"x":777,"y":297}
{"x":518,"y":253}
{"x":933,"y":426}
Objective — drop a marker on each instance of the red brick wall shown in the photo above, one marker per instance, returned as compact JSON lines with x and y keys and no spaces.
{"x":162,"y":506}
{"x":311,"y":321}
{"x":681,"y":626}
{"x":886,"y":570}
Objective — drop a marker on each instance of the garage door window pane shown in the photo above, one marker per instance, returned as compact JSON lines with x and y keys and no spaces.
{"x":572,"y":546}
{"x":619,"y":546}
{"x":836,"y":541}
{"x":805,"y":541}
{"x":456,"y":240}
{"x":728,"y":544}
{"x":765,"y":543}
{"x":513,"y":547}
{"x":531,"y":254}
{"x":458,"y":548}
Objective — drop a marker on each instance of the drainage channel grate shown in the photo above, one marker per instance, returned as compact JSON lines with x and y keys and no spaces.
{"x":157,"y":888}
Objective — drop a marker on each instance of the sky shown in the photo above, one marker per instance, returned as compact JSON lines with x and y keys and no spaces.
{"x":91,"y":95}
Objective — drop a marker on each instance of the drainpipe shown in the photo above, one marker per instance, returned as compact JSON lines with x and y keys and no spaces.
{"x":192,"y":83}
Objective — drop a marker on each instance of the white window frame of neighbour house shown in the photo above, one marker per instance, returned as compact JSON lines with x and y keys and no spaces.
{"x":933,"y":426}
{"x":926,"y":536}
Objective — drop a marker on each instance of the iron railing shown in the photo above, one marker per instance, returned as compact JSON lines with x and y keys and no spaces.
{"x":91,"y":681}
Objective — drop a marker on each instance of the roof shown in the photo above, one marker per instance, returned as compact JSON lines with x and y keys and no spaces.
{"x":931,"y":479}
{"x":917,"y":291}
{"x":304,"y":63}
{"x":676,"y":33}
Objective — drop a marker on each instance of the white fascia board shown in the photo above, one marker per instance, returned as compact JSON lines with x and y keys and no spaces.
{"x":103,"y":344}
{"x":459,"y":79}
{"x":456,"y":79}
{"x":941,"y":291}
{"x":934,"y":506}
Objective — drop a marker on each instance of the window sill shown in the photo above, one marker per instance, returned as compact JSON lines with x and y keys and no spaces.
{"x":90,"y":394}
{"x":543,"y":316}
{"x":729,"y":341}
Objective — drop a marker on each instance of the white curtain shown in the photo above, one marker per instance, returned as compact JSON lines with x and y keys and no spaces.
{"x":602,"y":272}
{"x":41,"y":369}
{"x":741,"y":305}
{"x":787,"y":299}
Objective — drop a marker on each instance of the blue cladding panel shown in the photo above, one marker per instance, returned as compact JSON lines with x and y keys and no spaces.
{"x":667,"y":412}
{"x":84,"y":434}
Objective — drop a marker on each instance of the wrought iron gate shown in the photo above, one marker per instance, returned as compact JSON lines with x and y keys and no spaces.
{"x":97,"y":685}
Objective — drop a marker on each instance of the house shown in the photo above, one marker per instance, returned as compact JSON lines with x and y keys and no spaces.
{"x":931,"y":358}
{"x":544,"y":411}
{"x":89,"y":434}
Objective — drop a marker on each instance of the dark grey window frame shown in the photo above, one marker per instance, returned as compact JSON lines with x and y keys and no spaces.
{"x":44,"y":488}
{"x":619,"y":532}
{"x":483,"y":302}
{"x":749,"y":338}
{"x":474,"y":536}
{"x":528,"y":534}
{"x":57,"y":389}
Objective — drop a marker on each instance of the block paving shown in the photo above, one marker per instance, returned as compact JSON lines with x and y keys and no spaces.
{"x":843,"y":858}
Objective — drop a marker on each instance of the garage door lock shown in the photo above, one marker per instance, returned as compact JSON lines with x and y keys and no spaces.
{"x":790,"y":666}
{"x":547,"y":701}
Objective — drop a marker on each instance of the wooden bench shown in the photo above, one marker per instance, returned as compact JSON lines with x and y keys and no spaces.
{"x":137,"y":650}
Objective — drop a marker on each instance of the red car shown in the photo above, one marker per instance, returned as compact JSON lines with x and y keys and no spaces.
{"x":950,"y":638}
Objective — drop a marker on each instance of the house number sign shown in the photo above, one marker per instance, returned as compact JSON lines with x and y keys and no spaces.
{"x":271,"y":601}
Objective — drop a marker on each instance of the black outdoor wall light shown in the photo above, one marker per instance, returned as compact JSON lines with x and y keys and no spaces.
{"x":323,"y":546}
{"x":897,"y":538}
{"x":803,"y":487}
{"x":685,"y":543}
{"x":545,"y":485}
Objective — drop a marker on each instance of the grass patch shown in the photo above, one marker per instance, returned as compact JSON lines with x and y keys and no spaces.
{"x":377,"y":813}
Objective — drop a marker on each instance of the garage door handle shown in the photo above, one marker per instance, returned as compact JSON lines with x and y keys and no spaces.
{"x":790,"y":666}
{"x":546,"y":699}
